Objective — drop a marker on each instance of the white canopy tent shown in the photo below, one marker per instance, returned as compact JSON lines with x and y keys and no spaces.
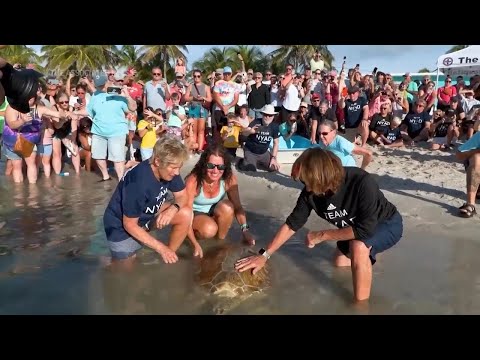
{"x":465,"y":62}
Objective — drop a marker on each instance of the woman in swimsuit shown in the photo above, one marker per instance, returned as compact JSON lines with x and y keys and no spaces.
{"x":213,"y":195}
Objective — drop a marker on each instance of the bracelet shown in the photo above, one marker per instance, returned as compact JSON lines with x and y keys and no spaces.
{"x":244,"y":227}
{"x":177,"y":206}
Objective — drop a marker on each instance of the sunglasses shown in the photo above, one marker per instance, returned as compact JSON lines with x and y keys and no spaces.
{"x":63,"y":102}
{"x":197,"y":76}
{"x":220,"y":167}
{"x":325,"y":133}
{"x":158,"y":74}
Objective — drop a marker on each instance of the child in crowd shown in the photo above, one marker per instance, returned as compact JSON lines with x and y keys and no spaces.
{"x":176,"y":118}
{"x":85,"y":142}
{"x":392,"y":137}
{"x":149,"y":130}
{"x":180,"y":66}
{"x":230,"y":134}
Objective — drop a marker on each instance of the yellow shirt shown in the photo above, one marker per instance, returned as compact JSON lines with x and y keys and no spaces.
{"x":232,"y":136}
{"x":150,"y":138}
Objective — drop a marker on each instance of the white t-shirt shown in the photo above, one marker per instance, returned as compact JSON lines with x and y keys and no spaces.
{"x":291,"y":101}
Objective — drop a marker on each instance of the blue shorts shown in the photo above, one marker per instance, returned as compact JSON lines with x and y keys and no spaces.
{"x":44,"y":150}
{"x":124,"y":249}
{"x":146,"y":153}
{"x":10,"y":155}
{"x":197,"y":112}
{"x":386,"y":235}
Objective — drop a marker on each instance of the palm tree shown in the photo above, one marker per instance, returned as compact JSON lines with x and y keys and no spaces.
{"x":168,"y":54}
{"x":213,"y":59}
{"x":21,"y":54}
{"x":456,"y":48}
{"x":424,"y":70}
{"x":80,"y":57}
{"x":130,"y":56}
{"x":252,"y":56}
{"x":300,"y":55}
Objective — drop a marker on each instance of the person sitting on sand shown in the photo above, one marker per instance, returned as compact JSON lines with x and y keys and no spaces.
{"x":416,"y":125}
{"x":380,"y":123}
{"x":392,"y":137}
{"x":444,"y":130}
{"x":356,"y":113}
{"x":213,"y":195}
{"x":139,"y":205}
{"x":469,"y":153}
{"x":348,"y":198}
{"x":259,"y":136}
{"x":330,"y":140}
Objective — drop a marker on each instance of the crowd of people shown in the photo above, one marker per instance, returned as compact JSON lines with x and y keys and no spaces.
{"x":146,"y":131}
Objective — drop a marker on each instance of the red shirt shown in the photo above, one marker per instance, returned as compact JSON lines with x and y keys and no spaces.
{"x":135,"y":91}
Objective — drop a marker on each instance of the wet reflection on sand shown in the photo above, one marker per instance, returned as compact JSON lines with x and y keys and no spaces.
{"x":53,"y":255}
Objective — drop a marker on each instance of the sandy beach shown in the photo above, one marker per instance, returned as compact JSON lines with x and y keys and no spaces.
{"x":55,"y":244}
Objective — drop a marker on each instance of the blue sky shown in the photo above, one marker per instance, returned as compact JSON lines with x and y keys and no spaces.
{"x":388,"y":58}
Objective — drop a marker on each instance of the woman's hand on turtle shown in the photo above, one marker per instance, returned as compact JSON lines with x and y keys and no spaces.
{"x":256,"y":263}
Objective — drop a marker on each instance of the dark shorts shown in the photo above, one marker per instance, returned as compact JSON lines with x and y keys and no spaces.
{"x":386,"y":235}
{"x":210,"y":212}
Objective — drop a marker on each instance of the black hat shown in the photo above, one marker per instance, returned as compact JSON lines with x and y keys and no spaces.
{"x":22,"y":87}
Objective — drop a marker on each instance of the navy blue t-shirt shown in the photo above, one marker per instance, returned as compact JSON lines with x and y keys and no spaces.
{"x":380,"y":124}
{"x":416,"y":122}
{"x":138,"y":195}
{"x":259,"y":142}
{"x":354,"y":112}
{"x":393,"y":134}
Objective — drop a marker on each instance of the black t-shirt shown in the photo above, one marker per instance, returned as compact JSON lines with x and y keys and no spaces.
{"x":380,"y":124}
{"x":416,"y":122}
{"x":358,"y":203}
{"x":315,"y":114}
{"x":259,"y":142}
{"x":442,"y":128}
{"x":354,"y":112}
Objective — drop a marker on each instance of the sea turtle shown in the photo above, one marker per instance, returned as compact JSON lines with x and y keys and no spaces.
{"x":228,"y":287}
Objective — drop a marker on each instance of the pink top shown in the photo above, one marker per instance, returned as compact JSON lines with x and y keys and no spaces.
{"x":375,"y":105}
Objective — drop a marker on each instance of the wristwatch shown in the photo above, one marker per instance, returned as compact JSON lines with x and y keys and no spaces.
{"x":264,"y":253}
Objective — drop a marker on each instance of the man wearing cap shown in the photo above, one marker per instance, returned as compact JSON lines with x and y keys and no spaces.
{"x":259,"y":135}
{"x":225,"y":97}
{"x":108,"y":112}
{"x":356,"y":114}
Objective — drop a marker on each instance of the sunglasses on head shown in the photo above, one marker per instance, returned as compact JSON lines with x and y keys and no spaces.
{"x":220,"y":167}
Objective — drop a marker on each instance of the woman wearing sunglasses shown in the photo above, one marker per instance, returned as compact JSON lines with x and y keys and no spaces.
{"x":344,"y":149}
{"x":213,"y":195}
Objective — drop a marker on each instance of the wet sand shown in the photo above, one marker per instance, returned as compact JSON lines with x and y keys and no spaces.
{"x":54,"y":250}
